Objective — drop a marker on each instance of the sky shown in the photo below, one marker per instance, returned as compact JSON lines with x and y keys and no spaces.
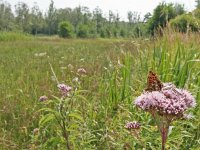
{"x":120,"y":6}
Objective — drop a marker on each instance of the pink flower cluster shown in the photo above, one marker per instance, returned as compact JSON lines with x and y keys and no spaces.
{"x":64,"y":89}
{"x":170,"y":100}
{"x":81,"y":71}
{"x":43,"y":98}
{"x":132,"y":125}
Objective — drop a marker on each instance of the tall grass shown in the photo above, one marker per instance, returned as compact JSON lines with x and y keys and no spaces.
{"x":13,"y":36}
{"x":116,"y":74}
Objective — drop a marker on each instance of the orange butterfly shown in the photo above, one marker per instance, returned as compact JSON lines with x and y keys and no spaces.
{"x":153,"y":82}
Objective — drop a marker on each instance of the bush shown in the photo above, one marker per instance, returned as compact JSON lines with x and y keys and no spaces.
{"x":122,"y":33}
{"x":184,"y":22}
{"x":115,"y":32}
{"x":162,"y":14}
{"x":197,"y":13}
{"x":102,"y":33}
{"x":65,"y":29}
{"x":83,"y":31}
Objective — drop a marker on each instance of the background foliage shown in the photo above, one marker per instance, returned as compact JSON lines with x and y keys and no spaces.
{"x":95,"y":23}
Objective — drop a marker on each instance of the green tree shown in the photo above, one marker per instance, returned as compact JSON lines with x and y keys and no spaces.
{"x":37,"y":20}
{"x":133,"y":17}
{"x":111,"y":17}
{"x":99,"y":20}
{"x":6,"y":16}
{"x":122,"y":33}
{"x":161,"y":16}
{"x":64,"y":14}
{"x":83,"y":31}
{"x":87,"y":16}
{"x":51,"y":19}
{"x":23,"y":16}
{"x":77,"y":18}
{"x":65,"y":29}
{"x":197,"y":4}
{"x":147,"y":16}
{"x":185,"y":23}
{"x":179,"y":9}
{"x":196,"y":12}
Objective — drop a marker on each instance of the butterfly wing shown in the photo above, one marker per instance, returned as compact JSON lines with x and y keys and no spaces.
{"x":153,"y":82}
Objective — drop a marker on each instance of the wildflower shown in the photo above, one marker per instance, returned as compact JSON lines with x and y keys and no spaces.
{"x":82,"y":59}
{"x":53,"y":78}
{"x":132,"y":125}
{"x":64,"y":89}
{"x":188,"y":116}
{"x":63,"y":68}
{"x":70,"y":66}
{"x":36,"y":131}
{"x":119,"y":63}
{"x":81,"y":71}
{"x":165,"y":102}
{"x":166,"y":105}
{"x":75,"y":79}
{"x":43,"y":98}
{"x":40,"y":54}
{"x":168,"y":101}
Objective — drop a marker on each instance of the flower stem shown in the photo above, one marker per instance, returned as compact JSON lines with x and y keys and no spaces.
{"x":164,"y":132}
{"x":163,"y":124}
{"x":164,"y":137}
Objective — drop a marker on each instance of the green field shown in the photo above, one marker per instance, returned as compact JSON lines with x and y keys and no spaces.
{"x":116,"y":74}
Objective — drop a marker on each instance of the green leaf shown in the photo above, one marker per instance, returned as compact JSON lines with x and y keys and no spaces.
{"x":54,"y":141}
{"x":46,"y":119}
{"x":77,"y":116}
{"x":49,"y":110}
{"x":81,"y":97}
{"x":82,"y":91}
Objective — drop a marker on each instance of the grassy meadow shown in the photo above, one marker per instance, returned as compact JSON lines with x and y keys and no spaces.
{"x":116,"y":74}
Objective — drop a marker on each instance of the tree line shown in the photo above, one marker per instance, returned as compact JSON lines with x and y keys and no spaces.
{"x":81,"y":22}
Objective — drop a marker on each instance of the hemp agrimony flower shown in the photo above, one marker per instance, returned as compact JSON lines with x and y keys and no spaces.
{"x":81,"y":71}
{"x":43,"y":98}
{"x":64,"y":89}
{"x":132,"y":125}
{"x":164,"y":102}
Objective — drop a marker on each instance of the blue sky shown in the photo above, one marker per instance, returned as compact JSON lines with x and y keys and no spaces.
{"x":120,"y":6}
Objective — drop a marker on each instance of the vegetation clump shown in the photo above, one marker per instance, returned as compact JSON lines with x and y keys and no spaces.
{"x":82,"y":23}
{"x":65,"y":30}
{"x":185,"y":23}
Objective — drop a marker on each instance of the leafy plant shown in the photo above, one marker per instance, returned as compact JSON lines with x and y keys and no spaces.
{"x":60,"y":120}
{"x":65,"y":29}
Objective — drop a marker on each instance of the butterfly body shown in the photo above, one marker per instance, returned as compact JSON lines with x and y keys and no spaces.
{"x":153,"y":82}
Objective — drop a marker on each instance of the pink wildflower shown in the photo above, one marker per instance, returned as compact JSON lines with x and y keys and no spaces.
{"x":169,"y":101}
{"x":165,"y":105}
{"x":43,"y":98}
{"x":132,"y":125}
{"x":81,"y":71}
{"x":64,"y":89}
